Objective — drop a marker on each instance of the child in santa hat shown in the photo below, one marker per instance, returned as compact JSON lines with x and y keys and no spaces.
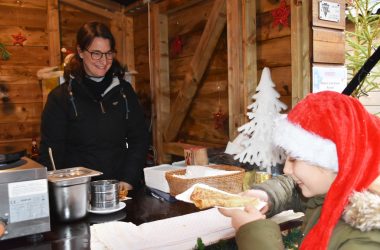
{"x":331,"y":173}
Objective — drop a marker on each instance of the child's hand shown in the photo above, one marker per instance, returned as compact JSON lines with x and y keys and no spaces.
{"x":242,"y":217}
{"x":262,"y":195}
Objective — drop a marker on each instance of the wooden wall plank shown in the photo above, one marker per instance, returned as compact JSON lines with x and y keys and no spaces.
{"x":90,"y":8}
{"x":28,"y":56}
{"x":264,"y":6}
{"x":183,"y":22}
{"x":265,"y":29}
{"x":23,"y":16}
{"x":36,"y":36}
{"x":71,"y":19}
{"x":274,"y":52}
{"x":328,"y":45}
{"x":17,"y":112}
{"x":29,"y":4}
{"x":19,"y":93}
{"x":19,"y":130}
{"x":209,"y":39}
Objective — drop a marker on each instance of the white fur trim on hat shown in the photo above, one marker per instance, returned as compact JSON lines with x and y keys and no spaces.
{"x":300,"y":143}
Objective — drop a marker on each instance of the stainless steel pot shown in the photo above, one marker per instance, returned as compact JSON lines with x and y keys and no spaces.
{"x":69,"y":192}
{"x":104,"y":194}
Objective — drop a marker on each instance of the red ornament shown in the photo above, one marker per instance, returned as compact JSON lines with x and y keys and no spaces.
{"x":176,"y":46}
{"x":219,"y":118}
{"x":19,"y":39}
{"x":281,"y":14}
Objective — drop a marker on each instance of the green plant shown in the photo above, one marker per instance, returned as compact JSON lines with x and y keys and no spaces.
{"x":362,"y":42}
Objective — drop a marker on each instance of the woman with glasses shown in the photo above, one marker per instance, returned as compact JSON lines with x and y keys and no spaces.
{"x":94,"y":119}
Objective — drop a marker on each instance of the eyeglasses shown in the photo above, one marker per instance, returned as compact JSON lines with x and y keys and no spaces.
{"x":97,"y":55}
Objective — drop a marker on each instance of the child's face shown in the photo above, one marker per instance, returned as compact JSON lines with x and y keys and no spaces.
{"x":313,"y":180}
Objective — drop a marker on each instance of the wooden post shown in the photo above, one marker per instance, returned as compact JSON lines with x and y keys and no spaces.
{"x":129,"y":47}
{"x":54,"y":33}
{"x":249,"y":50}
{"x":300,"y":47}
{"x":118,"y":32}
{"x":159,"y":77}
{"x":236,"y":87}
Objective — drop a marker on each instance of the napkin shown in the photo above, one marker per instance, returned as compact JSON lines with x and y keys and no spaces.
{"x":195,"y":171}
{"x":174,"y":233}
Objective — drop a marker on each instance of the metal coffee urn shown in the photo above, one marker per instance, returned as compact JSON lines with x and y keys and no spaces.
{"x":24,"y":198}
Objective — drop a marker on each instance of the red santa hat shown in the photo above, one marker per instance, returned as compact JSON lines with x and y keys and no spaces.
{"x":333,"y":131}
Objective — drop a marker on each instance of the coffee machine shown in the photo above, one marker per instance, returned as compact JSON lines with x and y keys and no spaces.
{"x":24,"y":197}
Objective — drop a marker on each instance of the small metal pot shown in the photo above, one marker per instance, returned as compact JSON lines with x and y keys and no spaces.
{"x":104,"y":194}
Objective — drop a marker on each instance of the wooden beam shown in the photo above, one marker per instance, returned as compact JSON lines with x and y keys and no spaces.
{"x":249,"y":49}
{"x":300,"y":49}
{"x":159,"y":77}
{"x":208,"y":41}
{"x":90,"y":8}
{"x":236,"y":88}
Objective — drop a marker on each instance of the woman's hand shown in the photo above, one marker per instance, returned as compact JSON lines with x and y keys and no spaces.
{"x":242,"y":217}
{"x":124,"y":186}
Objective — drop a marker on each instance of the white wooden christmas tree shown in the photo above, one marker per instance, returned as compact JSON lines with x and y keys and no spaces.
{"x":258,"y":147}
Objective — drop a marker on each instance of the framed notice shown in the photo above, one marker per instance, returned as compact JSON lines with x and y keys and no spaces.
{"x":333,"y":78}
{"x":329,"y":11}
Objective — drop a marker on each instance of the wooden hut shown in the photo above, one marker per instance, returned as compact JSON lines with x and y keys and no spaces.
{"x":197,"y":61}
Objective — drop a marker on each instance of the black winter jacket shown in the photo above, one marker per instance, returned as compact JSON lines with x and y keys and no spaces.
{"x":108,"y":135}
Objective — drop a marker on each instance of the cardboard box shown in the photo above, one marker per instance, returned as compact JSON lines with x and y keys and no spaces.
{"x":155,"y":176}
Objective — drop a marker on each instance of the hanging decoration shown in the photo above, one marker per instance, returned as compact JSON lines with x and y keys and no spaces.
{"x":19,"y":39}
{"x":219,"y":116}
{"x":4,"y":53}
{"x":281,"y":15}
{"x":176,"y":46}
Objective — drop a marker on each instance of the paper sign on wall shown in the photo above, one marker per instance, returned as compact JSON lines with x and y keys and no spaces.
{"x":333,"y":78}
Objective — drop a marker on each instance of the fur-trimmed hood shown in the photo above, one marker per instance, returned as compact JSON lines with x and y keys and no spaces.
{"x":363,"y":211}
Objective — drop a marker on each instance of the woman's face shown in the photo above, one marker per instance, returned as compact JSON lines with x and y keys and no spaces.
{"x":98,"y":48}
{"x":312,"y":180}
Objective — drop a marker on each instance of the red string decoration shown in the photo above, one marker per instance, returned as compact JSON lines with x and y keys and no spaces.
{"x":19,"y":39}
{"x":176,"y":46}
{"x":281,"y":15}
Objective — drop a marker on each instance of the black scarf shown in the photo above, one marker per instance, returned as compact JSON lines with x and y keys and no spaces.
{"x":98,"y":88}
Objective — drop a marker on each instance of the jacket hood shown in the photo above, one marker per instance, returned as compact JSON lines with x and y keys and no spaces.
{"x":363,"y":211}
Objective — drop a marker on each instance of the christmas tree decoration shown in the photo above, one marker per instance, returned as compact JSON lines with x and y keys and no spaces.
{"x":4,"y":53}
{"x":258,"y":147}
{"x":281,"y":15}
{"x":176,"y":46}
{"x":19,"y":39}
{"x":219,"y":116}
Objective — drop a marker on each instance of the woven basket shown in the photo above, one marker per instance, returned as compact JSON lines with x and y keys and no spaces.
{"x":232,"y":183}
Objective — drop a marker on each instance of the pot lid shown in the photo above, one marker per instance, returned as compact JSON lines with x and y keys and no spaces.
{"x":71,"y":174}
